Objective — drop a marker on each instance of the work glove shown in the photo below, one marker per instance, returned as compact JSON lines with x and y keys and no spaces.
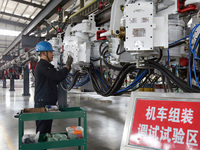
{"x":69,"y":61}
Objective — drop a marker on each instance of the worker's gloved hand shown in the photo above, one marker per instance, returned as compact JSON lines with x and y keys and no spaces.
{"x":69,"y":61}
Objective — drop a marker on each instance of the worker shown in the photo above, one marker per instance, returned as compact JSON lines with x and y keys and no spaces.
{"x":46,"y":80}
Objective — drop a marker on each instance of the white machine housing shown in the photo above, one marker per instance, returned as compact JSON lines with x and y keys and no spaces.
{"x":56,"y":43}
{"x":143,"y":29}
{"x":77,"y":41}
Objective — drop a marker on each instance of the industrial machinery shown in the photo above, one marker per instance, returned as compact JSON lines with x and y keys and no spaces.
{"x":146,"y":45}
{"x":147,"y":42}
{"x":150,"y":41}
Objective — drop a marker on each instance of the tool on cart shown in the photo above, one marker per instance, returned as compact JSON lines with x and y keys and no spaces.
{"x":75,"y":132}
{"x":30,"y":138}
{"x":34,"y":110}
{"x":54,"y":137}
{"x":51,"y":108}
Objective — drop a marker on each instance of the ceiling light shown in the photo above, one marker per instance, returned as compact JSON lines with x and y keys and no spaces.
{"x":9,"y":32}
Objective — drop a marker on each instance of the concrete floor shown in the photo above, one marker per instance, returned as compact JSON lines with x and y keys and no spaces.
{"x":105,"y":117}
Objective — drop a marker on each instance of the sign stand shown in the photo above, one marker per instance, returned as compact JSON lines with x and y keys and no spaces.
{"x":168,"y":121}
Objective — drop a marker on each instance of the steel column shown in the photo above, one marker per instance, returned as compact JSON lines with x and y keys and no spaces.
{"x":26,"y":81}
{"x":4,"y":82}
{"x":12,"y":82}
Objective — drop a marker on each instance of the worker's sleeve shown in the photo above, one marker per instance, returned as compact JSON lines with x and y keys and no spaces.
{"x":52,"y":74}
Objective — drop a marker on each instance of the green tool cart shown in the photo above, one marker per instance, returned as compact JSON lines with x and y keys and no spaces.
{"x":64,"y":113}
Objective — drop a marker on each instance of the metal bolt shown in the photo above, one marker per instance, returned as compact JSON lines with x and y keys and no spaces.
{"x":117,"y":31}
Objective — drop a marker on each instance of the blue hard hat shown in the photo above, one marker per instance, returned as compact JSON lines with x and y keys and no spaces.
{"x":44,"y":46}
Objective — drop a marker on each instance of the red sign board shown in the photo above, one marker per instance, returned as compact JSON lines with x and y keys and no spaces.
{"x":164,"y":124}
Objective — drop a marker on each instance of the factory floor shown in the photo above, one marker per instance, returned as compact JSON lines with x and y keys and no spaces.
{"x":105,"y":117}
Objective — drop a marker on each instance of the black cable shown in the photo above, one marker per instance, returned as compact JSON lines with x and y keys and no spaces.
{"x":140,"y":85}
{"x":118,"y":82}
{"x":120,"y":79}
{"x":176,"y":80}
{"x":109,"y":65}
{"x":100,"y":46}
{"x":169,"y":85}
{"x":161,"y":55}
{"x":155,"y":79}
{"x":135,"y":88}
{"x":177,"y":44}
{"x":76,"y":74}
{"x":101,"y":70}
{"x":95,"y":84}
{"x":92,"y":59}
{"x":163,"y":83}
{"x":179,"y":82}
{"x":102,"y":54}
{"x":117,"y":51}
{"x":104,"y":51}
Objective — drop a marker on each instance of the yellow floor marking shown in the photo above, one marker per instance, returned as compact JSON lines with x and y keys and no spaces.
{"x":7,"y":138}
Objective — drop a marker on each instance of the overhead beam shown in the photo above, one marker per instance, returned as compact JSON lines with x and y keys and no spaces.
{"x":45,"y":13}
{"x":29,"y":3}
{"x":16,"y":16}
{"x":5,"y":41}
{"x":13,"y":23}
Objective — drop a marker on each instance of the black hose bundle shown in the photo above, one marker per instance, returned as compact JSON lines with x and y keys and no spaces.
{"x":102,"y":54}
{"x":76,"y":75}
{"x":176,"y":80}
{"x":135,"y":88}
{"x":116,"y":85}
